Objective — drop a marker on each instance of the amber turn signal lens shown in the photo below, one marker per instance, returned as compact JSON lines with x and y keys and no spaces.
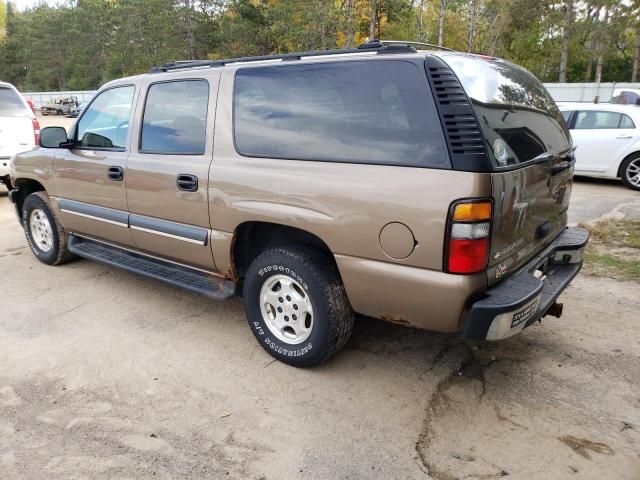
{"x":472,"y":212}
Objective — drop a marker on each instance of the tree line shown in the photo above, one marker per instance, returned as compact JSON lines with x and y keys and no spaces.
{"x":80,"y":44}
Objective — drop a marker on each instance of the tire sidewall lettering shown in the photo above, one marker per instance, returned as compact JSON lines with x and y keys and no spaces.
{"x":277,"y":269}
{"x":288,"y":352}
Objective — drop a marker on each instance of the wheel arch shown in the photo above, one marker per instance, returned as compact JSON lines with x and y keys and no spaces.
{"x":631,"y":155}
{"x":25,"y":187}
{"x":253,"y":237}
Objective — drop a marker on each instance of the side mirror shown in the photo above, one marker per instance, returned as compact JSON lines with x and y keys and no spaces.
{"x":54,"y":137}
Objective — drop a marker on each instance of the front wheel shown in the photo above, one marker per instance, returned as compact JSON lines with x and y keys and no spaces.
{"x":631,"y":172}
{"x":297,"y":306}
{"x":44,"y":232}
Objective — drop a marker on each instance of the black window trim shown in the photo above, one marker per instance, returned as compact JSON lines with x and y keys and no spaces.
{"x":144,"y":109}
{"x":619,"y":127}
{"x":76,"y":126}
{"x":447,"y":165}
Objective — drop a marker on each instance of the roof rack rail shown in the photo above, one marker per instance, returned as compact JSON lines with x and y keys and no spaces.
{"x":421,"y":44}
{"x":376,"y":46}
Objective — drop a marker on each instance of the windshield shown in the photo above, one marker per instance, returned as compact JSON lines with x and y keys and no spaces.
{"x":518,"y":117}
{"x":11,"y":105}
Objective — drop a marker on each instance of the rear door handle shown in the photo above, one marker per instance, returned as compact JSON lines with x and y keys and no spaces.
{"x":116,"y":173}
{"x":623,"y":137}
{"x":187,"y":183}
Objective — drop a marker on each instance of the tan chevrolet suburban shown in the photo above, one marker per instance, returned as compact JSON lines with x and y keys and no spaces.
{"x":412,"y":184}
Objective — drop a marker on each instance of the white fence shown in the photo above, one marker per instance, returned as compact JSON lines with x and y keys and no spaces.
{"x":41,"y":98}
{"x":585,"y":92}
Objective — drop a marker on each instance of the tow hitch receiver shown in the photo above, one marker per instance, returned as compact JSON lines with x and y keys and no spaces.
{"x":555,"y":310}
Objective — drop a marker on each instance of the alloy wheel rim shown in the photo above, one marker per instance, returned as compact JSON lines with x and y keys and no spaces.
{"x":633,"y":172}
{"x":286,"y":309}
{"x":41,"y":230}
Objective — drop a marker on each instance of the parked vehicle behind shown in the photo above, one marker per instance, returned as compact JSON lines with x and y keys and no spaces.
{"x":626,"y":96}
{"x":19,"y":128}
{"x":607,"y":137}
{"x":74,"y":112}
{"x":59,"y":106}
{"x":426,"y":188}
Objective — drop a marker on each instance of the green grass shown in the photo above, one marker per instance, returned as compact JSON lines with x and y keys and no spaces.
{"x":614,"y":249}
{"x":619,"y":233}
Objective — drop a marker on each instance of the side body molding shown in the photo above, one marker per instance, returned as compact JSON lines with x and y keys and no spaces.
{"x":156,"y":226}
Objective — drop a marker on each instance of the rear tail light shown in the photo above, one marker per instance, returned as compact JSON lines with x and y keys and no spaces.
{"x":468,"y":242}
{"x":36,"y":130}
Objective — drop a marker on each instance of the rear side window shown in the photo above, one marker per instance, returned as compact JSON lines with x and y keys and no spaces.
{"x":105,"y":123}
{"x":590,"y":120}
{"x":626,"y":122}
{"x":175,"y":118}
{"x":377,"y":112}
{"x":11,"y":104}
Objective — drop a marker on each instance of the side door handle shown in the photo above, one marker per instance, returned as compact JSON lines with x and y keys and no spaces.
{"x":116,"y":173}
{"x":624,"y":137}
{"x":187,"y":183}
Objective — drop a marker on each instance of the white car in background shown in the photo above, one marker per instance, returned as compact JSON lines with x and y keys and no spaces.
{"x":607,"y":137}
{"x":19,"y":128}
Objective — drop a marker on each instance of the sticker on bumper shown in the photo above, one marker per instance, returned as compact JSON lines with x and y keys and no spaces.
{"x":524,"y":314}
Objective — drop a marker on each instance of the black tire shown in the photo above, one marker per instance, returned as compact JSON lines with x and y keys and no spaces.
{"x":57,"y":254}
{"x":625,"y":174}
{"x":332,"y":313}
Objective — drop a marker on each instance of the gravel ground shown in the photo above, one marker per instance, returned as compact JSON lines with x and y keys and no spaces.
{"x":105,"y":375}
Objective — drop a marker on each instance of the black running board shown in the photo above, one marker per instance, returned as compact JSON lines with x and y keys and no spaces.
{"x":177,"y":275}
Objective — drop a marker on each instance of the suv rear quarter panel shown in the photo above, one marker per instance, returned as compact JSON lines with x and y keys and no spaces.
{"x":346,"y":206}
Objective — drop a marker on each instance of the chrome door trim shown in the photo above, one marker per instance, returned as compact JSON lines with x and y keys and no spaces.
{"x":94,"y":212}
{"x":168,"y":235}
{"x":142,"y":223}
{"x":99,"y":219}
{"x":166,"y":228}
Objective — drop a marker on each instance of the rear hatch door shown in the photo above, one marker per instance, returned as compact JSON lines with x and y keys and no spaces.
{"x":531,"y":151}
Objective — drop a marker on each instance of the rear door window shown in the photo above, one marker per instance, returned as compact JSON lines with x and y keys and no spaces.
{"x":377,"y":112}
{"x":175,"y":118}
{"x":11,"y":105}
{"x":595,"y":120}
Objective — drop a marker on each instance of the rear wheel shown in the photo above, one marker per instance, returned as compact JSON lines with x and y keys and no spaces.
{"x":630,"y":172}
{"x":297,"y":306}
{"x":44,"y":232}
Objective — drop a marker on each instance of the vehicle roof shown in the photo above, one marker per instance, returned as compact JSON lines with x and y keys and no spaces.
{"x":385,"y":50}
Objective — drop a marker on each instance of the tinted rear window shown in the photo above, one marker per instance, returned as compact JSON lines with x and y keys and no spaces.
{"x":511,"y":104}
{"x":377,"y":112}
{"x":11,"y":104}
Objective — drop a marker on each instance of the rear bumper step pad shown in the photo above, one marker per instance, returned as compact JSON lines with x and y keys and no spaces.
{"x":523,"y":298}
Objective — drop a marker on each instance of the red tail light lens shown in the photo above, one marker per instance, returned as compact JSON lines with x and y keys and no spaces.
{"x":36,"y":130}
{"x":468,"y":256}
{"x":468,"y":240}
